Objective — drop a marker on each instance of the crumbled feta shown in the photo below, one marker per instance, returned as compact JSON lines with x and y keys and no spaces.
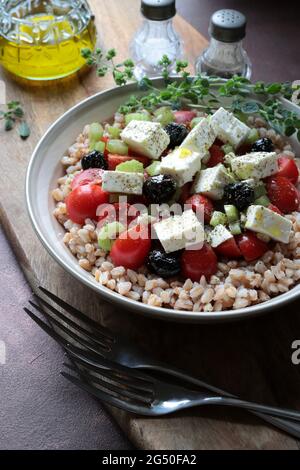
{"x":228,"y":128}
{"x":182,"y":163}
{"x":211,"y":182}
{"x":122,"y":182}
{"x":201,"y":138}
{"x":255,"y":165}
{"x":219,"y":235}
{"x":267,"y":222}
{"x":180,"y":231}
{"x":146,"y":138}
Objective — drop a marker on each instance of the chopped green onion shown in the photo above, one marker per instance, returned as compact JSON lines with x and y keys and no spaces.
{"x":136,"y":117}
{"x":117,"y":146}
{"x":235,"y":228}
{"x":153,"y":169}
{"x":262,"y":201}
{"x":108,"y":234}
{"x":231,"y":212}
{"x":218,"y":218}
{"x":114,"y":132}
{"x":132,"y":166}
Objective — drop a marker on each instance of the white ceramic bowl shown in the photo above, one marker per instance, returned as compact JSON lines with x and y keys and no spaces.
{"x":45,"y":167}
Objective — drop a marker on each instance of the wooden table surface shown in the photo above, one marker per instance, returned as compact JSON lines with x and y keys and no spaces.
{"x":251,"y":359}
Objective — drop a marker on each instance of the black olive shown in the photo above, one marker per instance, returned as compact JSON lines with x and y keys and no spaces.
{"x":164,"y":264}
{"x":263,"y":145}
{"x":241,"y":195}
{"x":160,"y":188}
{"x":94,"y":159}
{"x":177,"y":134}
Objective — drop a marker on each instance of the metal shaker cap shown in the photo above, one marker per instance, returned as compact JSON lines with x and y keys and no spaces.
{"x":227,"y":25}
{"x":158,"y":10}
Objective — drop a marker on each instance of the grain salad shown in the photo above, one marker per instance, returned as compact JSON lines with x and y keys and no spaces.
{"x":250,"y":249}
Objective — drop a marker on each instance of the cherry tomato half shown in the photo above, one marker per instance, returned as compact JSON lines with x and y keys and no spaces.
{"x":229,"y":249}
{"x":92,"y":175}
{"x":216,"y":156}
{"x":83,"y":201}
{"x":131,"y":248}
{"x":184,"y":117}
{"x":114,"y":160}
{"x":288,"y":169}
{"x":251,"y":246}
{"x":283,"y":194}
{"x":202,"y":204}
{"x":275,"y":209}
{"x":197,"y":263}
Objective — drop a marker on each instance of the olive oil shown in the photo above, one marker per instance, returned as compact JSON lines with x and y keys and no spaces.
{"x":46,"y":47}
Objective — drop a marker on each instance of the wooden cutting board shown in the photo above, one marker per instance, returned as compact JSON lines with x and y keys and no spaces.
{"x":251,"y":359}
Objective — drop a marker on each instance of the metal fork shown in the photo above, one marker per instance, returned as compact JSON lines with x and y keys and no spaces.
{"x":102,"y":342}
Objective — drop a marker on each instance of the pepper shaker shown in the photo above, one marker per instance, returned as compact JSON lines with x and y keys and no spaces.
{"x":156,"y":38}
{"x":225,"y":55}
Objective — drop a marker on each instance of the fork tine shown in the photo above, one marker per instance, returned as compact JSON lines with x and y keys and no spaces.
{"x":101,"y":341}
{"x":118,"y":389}
{"x":112,"y":375}
{"x":103,"y":396}
{"x":70,"y":333}
{"x":92,"y":323}
{"x":91,"y":359}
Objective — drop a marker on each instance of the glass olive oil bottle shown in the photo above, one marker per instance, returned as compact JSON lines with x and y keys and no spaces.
{"x":42,"y":40}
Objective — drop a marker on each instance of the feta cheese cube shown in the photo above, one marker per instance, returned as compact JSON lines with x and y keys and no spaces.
{"x":219,"y":235}
{"x":255,"y":165}
{"x":180,"y":231}
{"x":228,"y":128}
{"x":182,"y":163}
{"x":122,"y":182}
{"x":201,"y":138}
{"x":265,"y":221}
{"x":211,"y":182}
{"x":146,"y":138}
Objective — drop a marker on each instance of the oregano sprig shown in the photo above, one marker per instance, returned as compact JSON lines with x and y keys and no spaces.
{"x":14,"y":114}
{"x":202,"y":92}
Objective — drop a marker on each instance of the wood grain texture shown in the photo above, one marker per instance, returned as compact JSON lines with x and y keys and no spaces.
{"x":250,"y":359}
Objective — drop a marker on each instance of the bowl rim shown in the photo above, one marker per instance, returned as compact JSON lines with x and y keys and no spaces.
{"x":86,"y":278}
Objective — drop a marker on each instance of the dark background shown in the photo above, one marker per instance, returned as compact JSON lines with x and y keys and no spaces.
{"x":38,"y":409}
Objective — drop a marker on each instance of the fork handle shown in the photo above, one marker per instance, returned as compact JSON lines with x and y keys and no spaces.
{"x":236,"y":402}
{"x":290,"y":426}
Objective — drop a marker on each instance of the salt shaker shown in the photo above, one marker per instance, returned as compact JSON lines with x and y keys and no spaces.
{"x":156,"y":38}
{"x":225,"y":55}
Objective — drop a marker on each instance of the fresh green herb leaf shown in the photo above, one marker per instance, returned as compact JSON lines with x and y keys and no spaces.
{"x":8,"y":124}
{"x":24,"y":130}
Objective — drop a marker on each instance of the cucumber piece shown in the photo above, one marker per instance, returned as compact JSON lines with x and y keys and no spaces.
{"x":195,"y":121}
{"x":95,"y":132}
{"x":259,"y":190}
{"x":262,"y":201}
{"x":253,"y":136}
{"x":153,"y":169}
{"x":114,"y":132}
{"x":164,"y":115}
{"x":108,"y":234}
{"x":99,"y":146}
{"x":136,"y":117}
{"x":132,"y":166}
{"x":231,"y":212}
{"x":235,"y":228}
{"x":218,"y":218}
{"x":117,"y":146}
{"x":227,"y":148}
